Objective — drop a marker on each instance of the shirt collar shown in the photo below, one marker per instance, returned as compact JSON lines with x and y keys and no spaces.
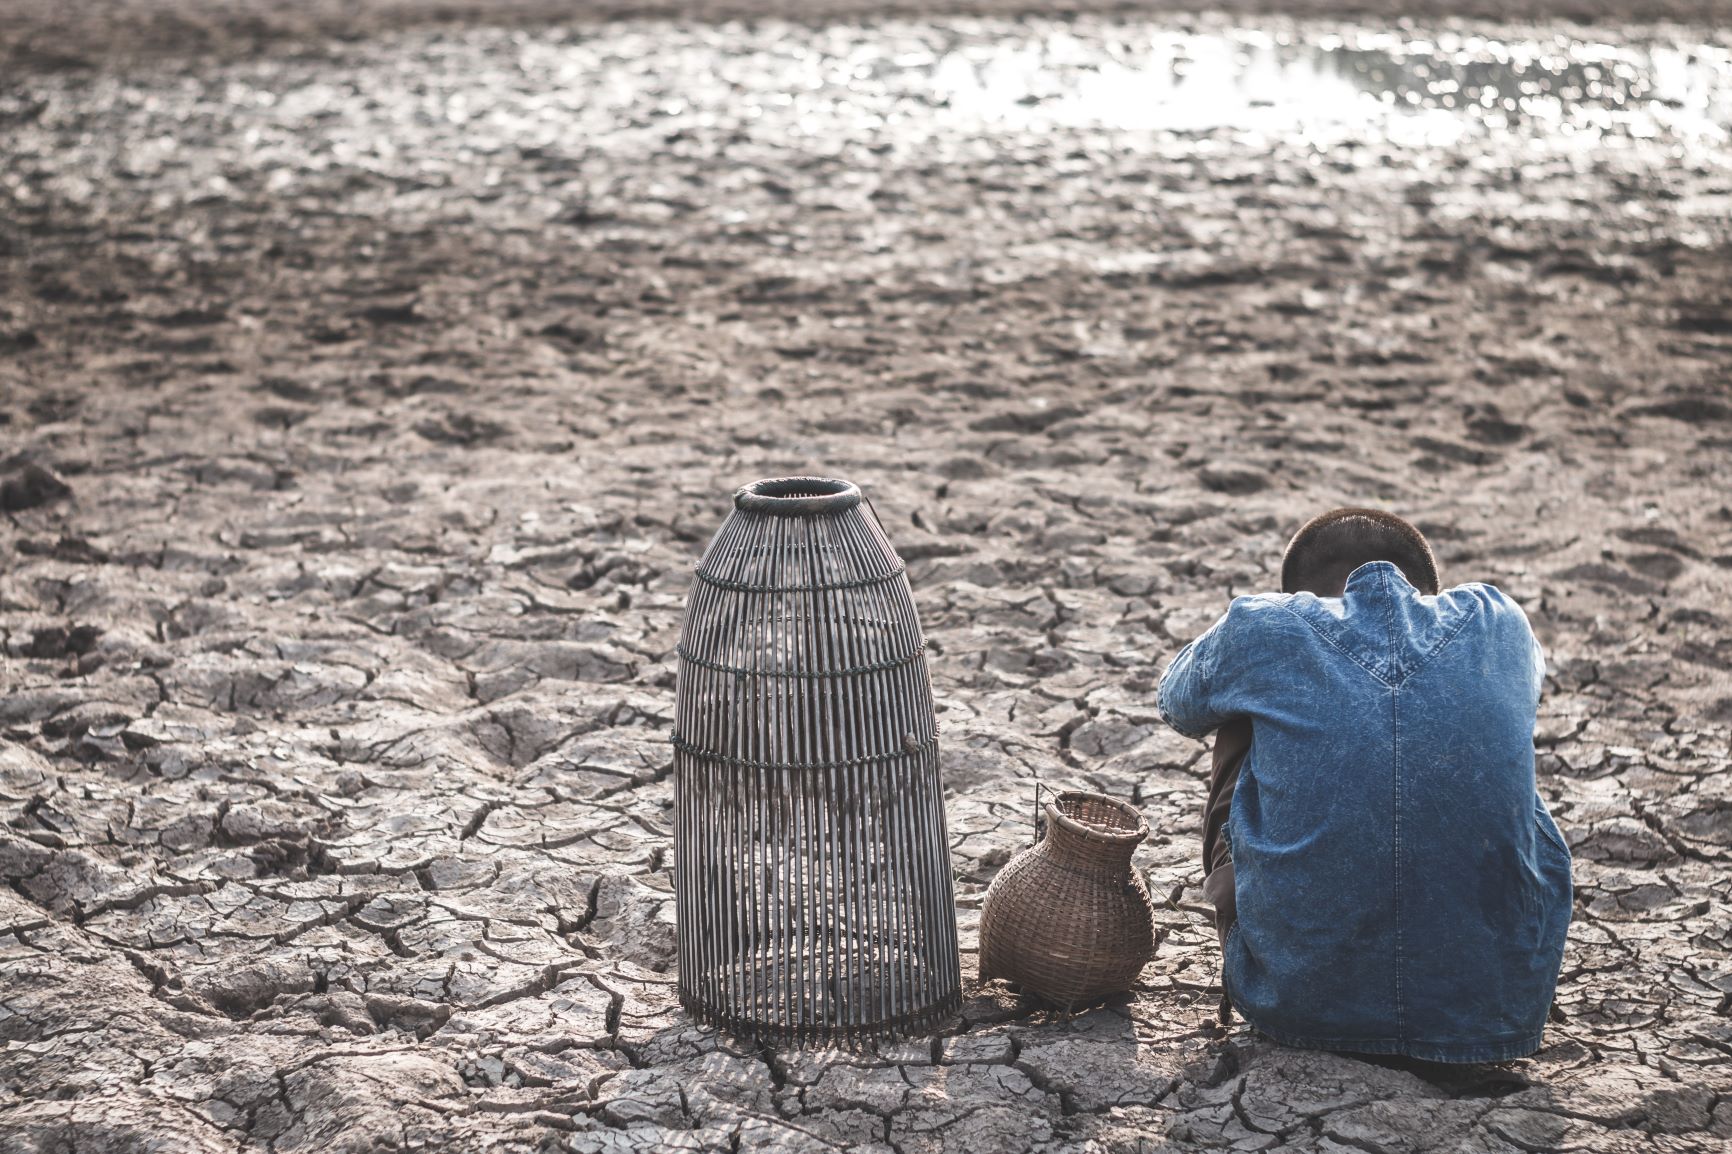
{"x":1372,"y":574}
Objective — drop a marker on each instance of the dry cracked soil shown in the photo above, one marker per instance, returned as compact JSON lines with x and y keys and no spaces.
{"x":364,"y":404}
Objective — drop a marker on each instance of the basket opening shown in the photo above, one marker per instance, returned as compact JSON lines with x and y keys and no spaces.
{"x":1099,"y":816}
{"x":798,"y":496}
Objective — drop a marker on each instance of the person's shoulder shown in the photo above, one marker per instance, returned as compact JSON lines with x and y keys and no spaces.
{"x":1259,"y":602}
{"x":1477,"y":592}
{"x":1486,"y":601}
{"x":1262,"y":611}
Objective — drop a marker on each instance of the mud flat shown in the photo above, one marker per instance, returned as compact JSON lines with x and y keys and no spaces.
{"x":362,"y":411}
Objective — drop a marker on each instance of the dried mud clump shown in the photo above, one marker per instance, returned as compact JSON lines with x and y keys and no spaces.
{"x":31,"y":487}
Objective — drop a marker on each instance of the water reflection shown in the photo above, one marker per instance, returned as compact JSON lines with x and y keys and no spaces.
{"x":1444,"y":86}
{"x":512,"y":115}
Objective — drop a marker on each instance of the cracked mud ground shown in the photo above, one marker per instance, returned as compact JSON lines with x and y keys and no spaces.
{"x":365,"y":407}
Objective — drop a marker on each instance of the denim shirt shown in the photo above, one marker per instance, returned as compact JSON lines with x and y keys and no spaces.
{"x":1401,"y":888}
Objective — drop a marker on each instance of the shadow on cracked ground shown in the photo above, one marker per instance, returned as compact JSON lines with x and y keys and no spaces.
{"x":366,"y":408}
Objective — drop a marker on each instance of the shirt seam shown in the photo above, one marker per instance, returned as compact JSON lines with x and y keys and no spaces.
{"x":1390,"y":658}
{"x":1395,"y":871}
{"x":1425,"y":660}
{"x":1336,"y":645}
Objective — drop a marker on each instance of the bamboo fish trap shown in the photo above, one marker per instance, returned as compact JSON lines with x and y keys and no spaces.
{"x":812,"y":869}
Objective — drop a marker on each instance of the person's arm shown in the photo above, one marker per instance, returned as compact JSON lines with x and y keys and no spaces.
{"x":1189,"y":697}
{"x":1519,"y":631}
{"x":1539,"y":674}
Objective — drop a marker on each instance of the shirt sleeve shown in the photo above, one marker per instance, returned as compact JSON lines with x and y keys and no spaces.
{"x":1509,"y":625}
{"x":1188,"y":699}
{"x":1508,"y":605}
{"x":1539,"y":673}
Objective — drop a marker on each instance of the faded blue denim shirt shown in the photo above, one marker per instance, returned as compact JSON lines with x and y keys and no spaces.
{"x":1401,"y":888}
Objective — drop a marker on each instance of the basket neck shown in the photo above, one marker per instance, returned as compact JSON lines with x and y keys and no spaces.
{"x":1080,"y":850}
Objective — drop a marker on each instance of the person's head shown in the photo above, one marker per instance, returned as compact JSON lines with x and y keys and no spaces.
{"x":1328,"y":548}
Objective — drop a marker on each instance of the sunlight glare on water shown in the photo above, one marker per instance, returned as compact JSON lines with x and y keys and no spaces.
{"x":525,"y":112}
{"x":1178,"y":82}
{"x":1309,"y":83}
{"x":1417,"y":90}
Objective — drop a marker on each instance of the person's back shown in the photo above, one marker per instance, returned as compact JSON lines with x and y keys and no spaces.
{"x":1400,"y":888}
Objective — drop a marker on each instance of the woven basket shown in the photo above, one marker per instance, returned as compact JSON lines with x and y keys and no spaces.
{"x":1069,"y":919}
{"x":812,"y":870}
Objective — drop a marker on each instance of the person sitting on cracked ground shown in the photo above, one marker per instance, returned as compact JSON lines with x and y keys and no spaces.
{"x":1385,"y":875}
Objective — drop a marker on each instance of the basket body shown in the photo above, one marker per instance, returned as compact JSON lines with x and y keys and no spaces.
{"x":1069,"y":918}
{"x":812,"y":884}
